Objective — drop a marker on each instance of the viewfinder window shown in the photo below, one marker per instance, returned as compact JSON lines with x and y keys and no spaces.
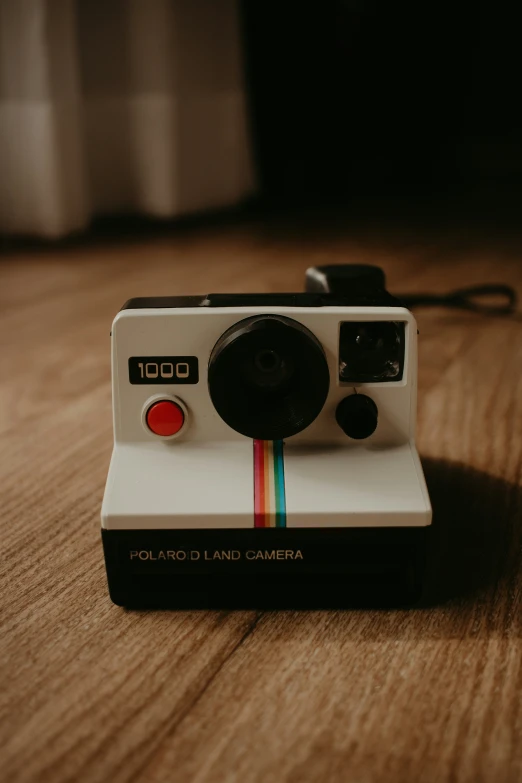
{"x":371,"y":351}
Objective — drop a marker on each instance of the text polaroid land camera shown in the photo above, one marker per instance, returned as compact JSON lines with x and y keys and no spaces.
{"x":264,"y":449}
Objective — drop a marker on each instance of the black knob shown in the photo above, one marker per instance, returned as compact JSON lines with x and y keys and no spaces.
{"x":343,"y":279}
{"x":357,"y":416}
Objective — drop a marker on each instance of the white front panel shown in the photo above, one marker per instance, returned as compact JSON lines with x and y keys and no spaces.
{"x":212,"y":486}
{"x":205,"y":477}
{"x":152,"y":487}
{"x":358,"y":487}
{"x":195,"y":331}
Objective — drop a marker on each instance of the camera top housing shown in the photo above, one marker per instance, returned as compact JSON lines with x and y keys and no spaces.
{"x":234,"y":412}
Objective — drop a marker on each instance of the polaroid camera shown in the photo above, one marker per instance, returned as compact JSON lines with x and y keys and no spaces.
{"x":264,"y":449}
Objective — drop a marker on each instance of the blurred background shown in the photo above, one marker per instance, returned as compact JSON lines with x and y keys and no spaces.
{"x":135,"y":113}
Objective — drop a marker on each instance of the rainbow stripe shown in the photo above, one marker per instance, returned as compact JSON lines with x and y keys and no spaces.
{"x":269,"y":484}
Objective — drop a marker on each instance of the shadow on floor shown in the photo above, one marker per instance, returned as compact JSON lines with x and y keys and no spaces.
{"x":476,"y":536}
{"x":473,"y":577}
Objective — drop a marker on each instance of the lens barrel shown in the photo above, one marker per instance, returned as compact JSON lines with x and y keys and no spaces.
{"x":268,"y":377}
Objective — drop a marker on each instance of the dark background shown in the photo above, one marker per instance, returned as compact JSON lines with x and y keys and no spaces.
{"x":356,"y":98}
{"x":372,"y":112}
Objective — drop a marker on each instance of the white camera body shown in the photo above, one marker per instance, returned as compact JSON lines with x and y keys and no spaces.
{"x":196,"y":512}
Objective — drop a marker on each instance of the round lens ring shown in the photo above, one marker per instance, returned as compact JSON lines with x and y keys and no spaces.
{"x":268,"y":377}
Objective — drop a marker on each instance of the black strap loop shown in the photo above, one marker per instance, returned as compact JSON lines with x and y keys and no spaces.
{"x":475,"y":298}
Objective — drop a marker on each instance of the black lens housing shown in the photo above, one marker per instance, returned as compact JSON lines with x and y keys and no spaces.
{"x":268,"y":377}
{"x":371,"y":351}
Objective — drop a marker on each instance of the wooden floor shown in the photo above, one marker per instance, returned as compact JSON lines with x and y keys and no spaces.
{"x":91,"y":692}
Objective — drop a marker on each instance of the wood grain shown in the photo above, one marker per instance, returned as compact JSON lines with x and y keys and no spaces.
{"x":91,"y":692}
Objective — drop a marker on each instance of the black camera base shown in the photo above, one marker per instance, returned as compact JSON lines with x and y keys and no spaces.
{"x":292,"y":568}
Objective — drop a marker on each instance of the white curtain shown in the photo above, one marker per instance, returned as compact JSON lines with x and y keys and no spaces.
{"x":119,"y":106}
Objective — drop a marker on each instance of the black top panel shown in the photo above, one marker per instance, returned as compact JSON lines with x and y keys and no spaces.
{"x":361,"y":298}
{"x":143,"y":302}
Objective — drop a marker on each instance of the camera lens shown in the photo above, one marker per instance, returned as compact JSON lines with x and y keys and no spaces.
{"x":371,"y":351}
{"x":269,"y":370}
{"x":268,"y":377}
{"x":267,"y":361}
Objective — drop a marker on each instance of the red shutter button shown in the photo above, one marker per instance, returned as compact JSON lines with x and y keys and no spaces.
{"x":165,"y":418}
